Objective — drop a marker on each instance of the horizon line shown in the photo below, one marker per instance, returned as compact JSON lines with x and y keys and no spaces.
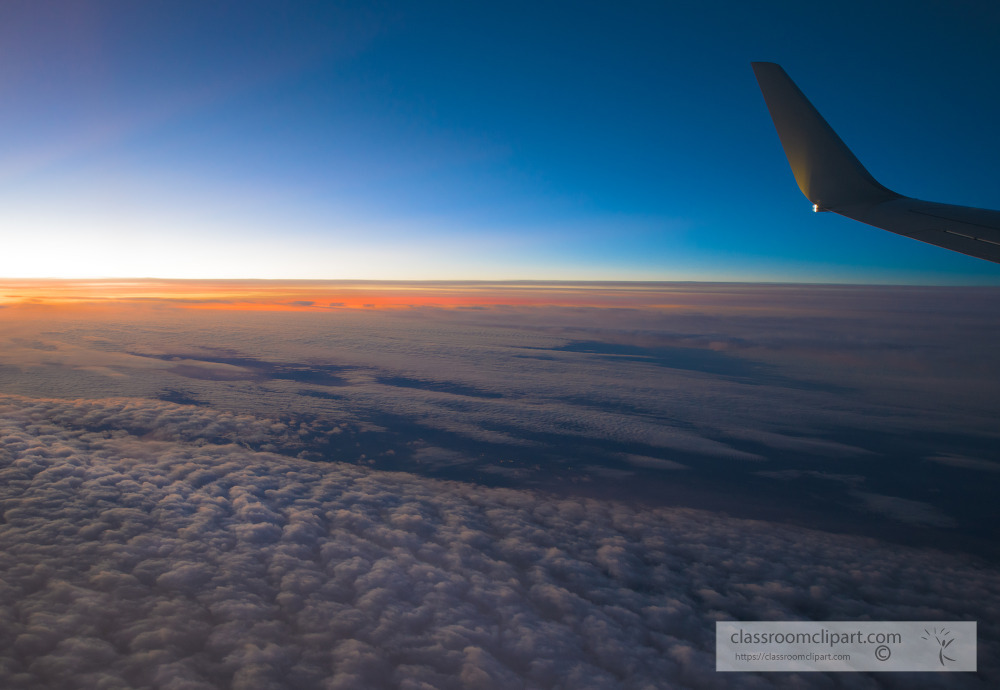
{"x":478,"y":281}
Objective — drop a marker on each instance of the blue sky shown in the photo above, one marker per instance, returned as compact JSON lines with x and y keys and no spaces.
{"x":440,"y":140}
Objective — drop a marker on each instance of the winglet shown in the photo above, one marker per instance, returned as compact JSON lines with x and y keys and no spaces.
{"x":825,"y":169}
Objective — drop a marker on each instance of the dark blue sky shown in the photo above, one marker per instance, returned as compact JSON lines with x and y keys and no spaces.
{"x":479,"y":140}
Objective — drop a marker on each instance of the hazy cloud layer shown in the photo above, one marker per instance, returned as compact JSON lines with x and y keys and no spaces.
{"x":170,"y":561}
{"x":759,"y":391}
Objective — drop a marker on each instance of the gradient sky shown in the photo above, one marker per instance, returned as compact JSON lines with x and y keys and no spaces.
{"x":454,"y":140}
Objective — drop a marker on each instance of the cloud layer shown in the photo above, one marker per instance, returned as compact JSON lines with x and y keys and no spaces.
{"x":132,"y":560}
{"x":195,"y":498}
{"x":763,"y":393}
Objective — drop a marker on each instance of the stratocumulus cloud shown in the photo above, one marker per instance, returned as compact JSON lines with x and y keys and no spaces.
{"x":171,"y":561}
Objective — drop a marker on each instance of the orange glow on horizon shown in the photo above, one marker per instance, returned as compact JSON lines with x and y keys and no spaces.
{"x":39,"y":298}
{"x":318,"y":296}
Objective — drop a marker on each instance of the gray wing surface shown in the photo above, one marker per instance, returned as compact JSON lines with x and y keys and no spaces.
{"x":833,"y":179}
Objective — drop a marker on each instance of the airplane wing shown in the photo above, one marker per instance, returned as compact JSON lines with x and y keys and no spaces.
{"x":833,"y":179}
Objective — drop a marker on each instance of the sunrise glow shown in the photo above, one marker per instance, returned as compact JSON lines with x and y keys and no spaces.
{"x":305,"y":296}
